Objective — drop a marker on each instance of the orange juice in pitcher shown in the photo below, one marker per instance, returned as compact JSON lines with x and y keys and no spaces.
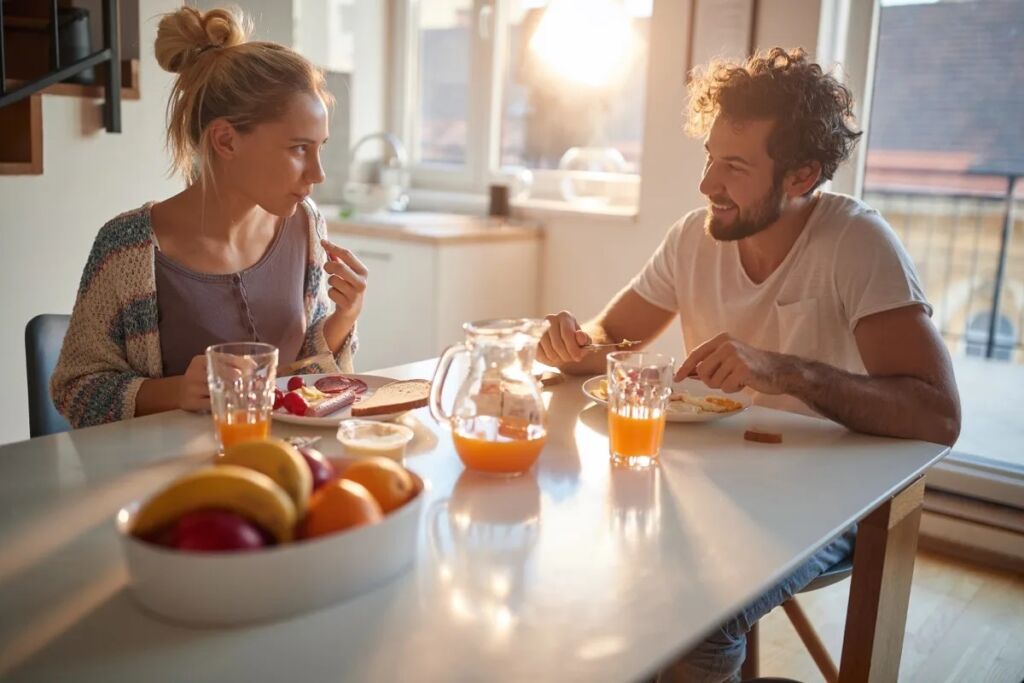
{"x":487,"y":445}
{"x":498,"y":420}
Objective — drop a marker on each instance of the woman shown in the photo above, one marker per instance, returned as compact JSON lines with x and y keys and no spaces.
{"x":239,"y":255}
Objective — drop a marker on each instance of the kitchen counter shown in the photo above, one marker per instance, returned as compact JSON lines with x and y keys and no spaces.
{"x":430,"y":227}
{"x":432,"y":272}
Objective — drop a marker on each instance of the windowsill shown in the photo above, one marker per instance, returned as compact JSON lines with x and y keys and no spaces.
{"x":987,"y":461}
{"x":991,"y":395}
{"x":531,"y":209}
{"x":539,"y":208}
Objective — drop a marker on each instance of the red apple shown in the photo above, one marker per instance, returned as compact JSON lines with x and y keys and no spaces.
{"x":213,"y":530}
{"x":319,"y":466}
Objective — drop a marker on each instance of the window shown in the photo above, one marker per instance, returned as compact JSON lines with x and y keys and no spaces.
{"x":943,"y":162}
{"x":443,"y":80}
{"x":324,"y":32}
{"x":545,"y":92}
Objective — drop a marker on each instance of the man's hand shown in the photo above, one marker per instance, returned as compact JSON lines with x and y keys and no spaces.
{"x":194,"y":391}
{"x":563,"y":342}
{"x":726,"y":363}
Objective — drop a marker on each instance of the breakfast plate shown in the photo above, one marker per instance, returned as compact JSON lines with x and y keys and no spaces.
{"x":691,"y":400}
{"x":372,"y":382}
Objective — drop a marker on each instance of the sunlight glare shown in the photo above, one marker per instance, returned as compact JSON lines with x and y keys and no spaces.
{"x":590,"y":42}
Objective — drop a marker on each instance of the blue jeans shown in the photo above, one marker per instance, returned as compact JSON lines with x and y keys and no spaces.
{"x":718,"y":659}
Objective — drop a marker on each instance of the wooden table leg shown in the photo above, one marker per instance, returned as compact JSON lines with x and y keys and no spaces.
{"x":883,"y":566}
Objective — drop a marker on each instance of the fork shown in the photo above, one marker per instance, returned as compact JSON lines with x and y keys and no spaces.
{"x":624,"y":344}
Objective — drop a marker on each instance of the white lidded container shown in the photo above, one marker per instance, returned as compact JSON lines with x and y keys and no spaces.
{"x":229,"y":588}
{"x":365,"y":438}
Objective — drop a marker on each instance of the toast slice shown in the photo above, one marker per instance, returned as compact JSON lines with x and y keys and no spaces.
{"x":394,"y":398}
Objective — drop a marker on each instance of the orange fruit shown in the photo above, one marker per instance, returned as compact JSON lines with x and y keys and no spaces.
{"x":390,"y":483}
{"x":338,"y":505}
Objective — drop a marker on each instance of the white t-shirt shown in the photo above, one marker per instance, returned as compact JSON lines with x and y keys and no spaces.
{"x":845,"y":265}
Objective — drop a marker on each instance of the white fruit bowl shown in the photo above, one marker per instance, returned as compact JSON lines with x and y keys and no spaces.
{"x":223,"y":589}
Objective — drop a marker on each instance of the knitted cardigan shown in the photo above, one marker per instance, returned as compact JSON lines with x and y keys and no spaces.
{"x":113,"y":340}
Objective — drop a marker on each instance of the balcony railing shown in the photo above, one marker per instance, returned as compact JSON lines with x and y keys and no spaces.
{"x":969,"y":253}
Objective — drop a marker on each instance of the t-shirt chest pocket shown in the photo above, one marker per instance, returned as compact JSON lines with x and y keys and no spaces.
{"x":798,"y":327}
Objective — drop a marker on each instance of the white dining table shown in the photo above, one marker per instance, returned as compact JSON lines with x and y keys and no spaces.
{"x":575,"y":571}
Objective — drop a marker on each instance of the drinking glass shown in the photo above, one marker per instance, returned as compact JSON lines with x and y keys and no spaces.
{"x":639,"y":384}
{"x":241,"y":378}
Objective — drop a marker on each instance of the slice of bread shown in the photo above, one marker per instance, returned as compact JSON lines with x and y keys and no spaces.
{"x":394,"y":398}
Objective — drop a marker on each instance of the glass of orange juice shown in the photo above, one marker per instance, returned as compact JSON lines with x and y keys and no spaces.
{"x":241,"y":378}
{"x":639,"y":384}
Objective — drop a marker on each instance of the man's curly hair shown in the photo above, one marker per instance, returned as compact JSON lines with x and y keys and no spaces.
{"x":813,"y":112}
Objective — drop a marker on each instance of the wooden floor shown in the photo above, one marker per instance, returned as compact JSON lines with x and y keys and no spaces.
{"x":965,"y":624}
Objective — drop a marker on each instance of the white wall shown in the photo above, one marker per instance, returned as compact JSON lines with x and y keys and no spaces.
{"x":48,"y":222}
{"x":788,"y":23}
{"x":588,"y":259}
{"x":272,"y":19}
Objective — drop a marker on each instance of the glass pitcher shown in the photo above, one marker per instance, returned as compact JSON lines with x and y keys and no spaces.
{"x":498,"y":421}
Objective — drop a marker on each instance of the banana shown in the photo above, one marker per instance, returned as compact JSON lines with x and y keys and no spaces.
{"x":280,"y":461}
{"x":247,"y":492}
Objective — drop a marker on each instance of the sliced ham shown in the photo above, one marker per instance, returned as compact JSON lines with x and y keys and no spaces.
{"x":332,"y":404}
{"x":334,"y":384}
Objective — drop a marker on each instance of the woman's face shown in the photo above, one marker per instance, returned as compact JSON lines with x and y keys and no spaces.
{"x":277,"y":163}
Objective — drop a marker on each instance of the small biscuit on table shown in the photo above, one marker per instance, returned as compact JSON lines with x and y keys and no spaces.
{"x":550,"y":378}
{"x":762,"y":436}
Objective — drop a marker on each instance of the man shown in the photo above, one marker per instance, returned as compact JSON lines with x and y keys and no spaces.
{"x":806,"y":299}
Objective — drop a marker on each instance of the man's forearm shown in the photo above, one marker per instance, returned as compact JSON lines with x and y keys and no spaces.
{"x":899,"y":406}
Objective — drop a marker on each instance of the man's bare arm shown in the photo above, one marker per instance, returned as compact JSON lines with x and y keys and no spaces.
{"x":627,"y":316}
{"x":909,"y":390}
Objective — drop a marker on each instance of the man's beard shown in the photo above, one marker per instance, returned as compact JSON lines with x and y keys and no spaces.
{"x":750,"y":222}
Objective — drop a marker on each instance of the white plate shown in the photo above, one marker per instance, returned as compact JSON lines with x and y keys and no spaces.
{"x":373,"y":382}
{"x":682,"y":413}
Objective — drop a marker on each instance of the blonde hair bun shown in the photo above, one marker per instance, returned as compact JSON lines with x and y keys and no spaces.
{"x":186,"y":33}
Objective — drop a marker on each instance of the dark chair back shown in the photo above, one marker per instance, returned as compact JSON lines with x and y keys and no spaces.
{"x":44,"y":335}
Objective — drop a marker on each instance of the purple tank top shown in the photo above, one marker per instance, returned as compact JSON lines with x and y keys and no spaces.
{"x":261,"y":303}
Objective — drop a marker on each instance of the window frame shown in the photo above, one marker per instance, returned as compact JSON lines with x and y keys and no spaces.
{"x":482,"y":166}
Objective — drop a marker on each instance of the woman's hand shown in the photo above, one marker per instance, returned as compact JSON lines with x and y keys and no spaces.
{"x":347,"y":281}
{"x":194,"y":391}
{"x":187,"y":392}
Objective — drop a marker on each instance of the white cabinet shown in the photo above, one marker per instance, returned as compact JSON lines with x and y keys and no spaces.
{"x":425,"y":282}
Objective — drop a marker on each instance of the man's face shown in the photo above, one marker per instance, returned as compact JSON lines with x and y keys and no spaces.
{"x":744,"y":196}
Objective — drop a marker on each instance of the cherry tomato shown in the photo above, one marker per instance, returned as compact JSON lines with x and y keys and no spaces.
{"x":295,"y":404}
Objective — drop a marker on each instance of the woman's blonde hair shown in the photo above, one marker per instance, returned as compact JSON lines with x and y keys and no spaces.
{"x":223,"y":75}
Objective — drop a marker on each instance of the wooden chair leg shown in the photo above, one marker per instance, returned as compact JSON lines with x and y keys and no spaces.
{"x":751,"y":668}
{"x":811,"y":640}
